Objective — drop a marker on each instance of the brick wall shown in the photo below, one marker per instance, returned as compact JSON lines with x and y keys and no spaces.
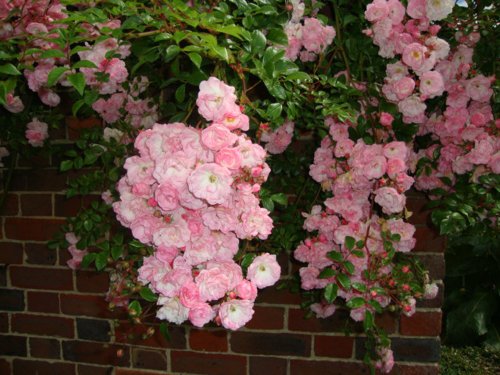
{"x":55,"y":321}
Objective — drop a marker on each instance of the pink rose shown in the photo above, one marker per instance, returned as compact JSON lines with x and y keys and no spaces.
{"x":211,"y":182}
{"x":234,"y":314}
{"x":264,"y":270}
{"x":214,"y":97}
{"x":376,"y":10}
{"x":403,"y":87}
{"x":189,"y":294}
{"x":390,"y":200}
{"x":246,"y":290}
{"x":213,"y":284}
{"x":217,"y":136}
{"x":172,"y":310}
{"x":229,"y":158}
{"x":386,"y":119}
{"x":431,"y":84}
{"x":36,"y":132}
{"x":200,"y":314}
{"x":167,"y":197}
{"x":414,"y":55}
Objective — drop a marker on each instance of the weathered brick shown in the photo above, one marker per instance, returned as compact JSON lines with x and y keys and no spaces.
{"x":13,"y":345}
{"x":408,"y":349}
{"x":37,"y":253}
{"x":5,"y":367}
{"x":429,"y":240}
{"x":267,"y":365}
{"x":65,"y":207}
{"x":436,"y":302}
{"x":338,"y":322}
{"x":133,"y":334}
{"x":4,"y":322}
{"x":11,"y":300}
{"x":280,"y":297}
{"x":38,"y":180}
{"x":93,"y":329}
{"x":3,"y":275}
{"x":98,"y":353}
{"x":41,"y":278}
{"x":271,"y":343}
{"x":208,"y":364}
{"x":333,"y":346}
{"x":130,"y":371}
{"x":417,"y":206}
{"x":94,"y":370}
{"x":43,"y":302}
{"x":434,"y":263}
{"x":10,"y":205}
{"x":92,"y":282}
{"x":36,"y":205}
{"x":25,"y":367}
{"x":149,"y":359}
{"x":42,"y":325}
{"x":267,"y":318}
{"x":87,"y":305}
{"x":44,"y":348}
{"x":387,"y":321}
{"x":11,"y":252}
{"x":303,"y":367}
{"x":16,"y":228}
{"x":208,"y":340}
{"x":76,"y":125}
{"x":422,"y":323}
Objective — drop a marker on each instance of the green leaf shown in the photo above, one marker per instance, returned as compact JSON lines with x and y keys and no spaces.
{"x":52,"y":53}
{"x":274,"y":110}
{"x":180,"y":93}
{"x":171,"y":52}
{"x":349,"y":267}
{"x":164,"y":331}
{"x":369,"y":321}
{"x":280,"y":198}
{"x":134,"y":308}
{"x":330,"y":292}
{"x":327,"y":273}
{"x":55,"y":74}
{"x":77,"y":80}
{"x":258,"y":40}
{"x":88,"y":259}
{"x":148,"y":295}
{"x":66,"y":165}
{"x":344,"y":281}
{"x":221,"y":52}
{"x":355,"y":302}
{"x":9,"y":69}
{"x":277,"y":36}
{"x":116,"y":252}
{"x":298,"y":76}
{"x":335,"y":256}
{"x":247,"y":260}
{"x":101,"y":260}
{"x":349,"y":242}
{"x":84,"y":64}
{"x":360,"y":287}
{"x":195,"y":58}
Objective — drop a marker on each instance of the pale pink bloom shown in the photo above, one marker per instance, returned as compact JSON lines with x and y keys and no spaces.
{"x":174,"y":234}
{"x":172,"y":310}
{"x":482,"y":151}
{"x":386,"y":119}
{"x":431,"y":291}
{"x":315,"y":36}
{"x":211,"y":182}
{"x":358,"y":314}
{"x":323,"y":310}
{"x":77,"y":256}
{"x":234,"y":314}
{"x":396,"y":11}
{"x":167,"y":197}
{"x":376,"y":10}
{"x":255,"y":221}
{"x":200,"y":314}
{"x":431,"y":84}
{"x":414,"y":55}
{"x":232,"y":118}
{"x":396,"y":150}
{"x":410,"y":306}
{"x":13,"y":103}
{"x":343,"y":148}
{"x":438,"y":47}
{"x":216,"y":137}
{"x":264,"y":270}
{"x":246,"y":290}
{"x":416,"y":9}
{"x":36,"y":132}
{"x":438,"y":9}
{"x":214,"y":97}
{"x":390,"y":200}
{"x":396,"y":71}
{"x":412,"y":106}
{"x":478,"y":88}
{"x":229,"y":158}
{"x":213,"y":283}
{"x":49,"y":97}
{"x":189,"y":294}
{"x":403,"y":87}
{"x":280,"y":139}
{"x":462,"y":56}
{"x":386,"y":361}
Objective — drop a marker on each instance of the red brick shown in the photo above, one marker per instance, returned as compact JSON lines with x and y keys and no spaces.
{"x":387,"y":321}
{"x":38,"y":180}
{"x":65,"y":207}
{"x":303,"y":367}
{"x":37,"y":253}
{"x":5,"y":367}
{"x":36,"y":204}
{"x":11,"y":253}
{"x":333,"y":346}
{"x":208,"y":340}
{"x":11,"y":300}
{"x":420,"y":215}
{"x":42,"y":325}
{"x":338,"y":322}
{"x":13,"y":345}
{"x":422,"y":323}
{"x":128,"y":333}
{"x":43,"y":302}
{"x":267,"y":318}
{"x":92,"y":282}
{"x":25,"y":367}
{"x":98,"y":353}
{"x":87,"y":305}
{"x":129,"y":371}
{"x":4,"y":322}
{"x":94,"y":370}
{"x":31,"y":229}
{"x":149,"y":359}
{"x":44,"y":348}
{"x":267,"y":365}
{"x":434,"y":263}
{"x":41,"y":278}
{"x":283,"y":344}
{"x":10,"y":205}
{"x":429,"y":240}
{"x":208,"y":364}
{"x":278,"y":297}
{"x":76,"y":125}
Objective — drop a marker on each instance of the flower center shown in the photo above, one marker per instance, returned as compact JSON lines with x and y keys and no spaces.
{"x":212,"y":179}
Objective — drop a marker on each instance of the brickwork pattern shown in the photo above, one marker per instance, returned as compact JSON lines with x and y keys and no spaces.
{"x":56,"y":321}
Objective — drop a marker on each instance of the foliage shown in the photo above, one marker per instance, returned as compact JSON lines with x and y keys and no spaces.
{"x":469,"y":360}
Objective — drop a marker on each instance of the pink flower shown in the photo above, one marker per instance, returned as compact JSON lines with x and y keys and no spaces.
{"x":323,"y":310}
{"x":77,"y":257}
{"x":211,"y":182}
{"x":246,"y":290}
{"x":478,"y":88}
{"x":172,"y":310}
{"x":264,"y":270}
{"x":255,"y":222}
{"x":213,"y":284}
{"x":376,"y":10}
{"x":216,"y":137}
{"x":438,"y":10}
{"x":234,"y":314}
{"x":315,"y":36}
{"x":229,"y":158}
{"x":390,"y":200}
{"x":189,"y":294}
{"x":13,"y":103}
{"x":412,"y":106}
{"x":36,"y":132}
{"x":431,"y":291}
{"x":403,"y":87}
{"x":200,"y":314}
{"x":280,"y":139}
{"x":414,"y":55}
{"x":386,"y":119}
{"x":167,"y":197}
{"x":431,"y":84}
{"x":214,"y":97}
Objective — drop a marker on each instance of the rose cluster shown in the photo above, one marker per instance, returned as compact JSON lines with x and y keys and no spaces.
{"x":408,"y":33}
{"x":277,"y":141}
{"x":307,"y":37}
{"x":191,"y":194}
{"x":361,"y":226}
